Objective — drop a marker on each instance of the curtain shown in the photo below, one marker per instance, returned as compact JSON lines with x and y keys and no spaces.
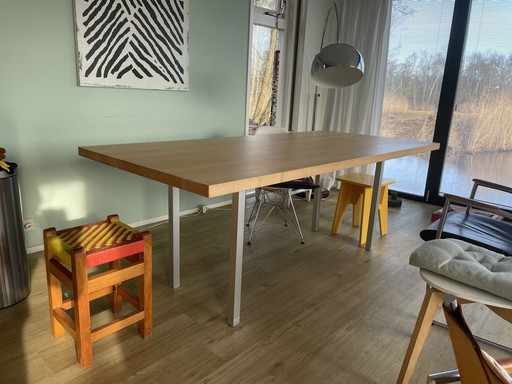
{"x":364,"y":24}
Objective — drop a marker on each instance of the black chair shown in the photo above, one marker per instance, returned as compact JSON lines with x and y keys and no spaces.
{"x":475,"y":224}
{"x":279,"y":198}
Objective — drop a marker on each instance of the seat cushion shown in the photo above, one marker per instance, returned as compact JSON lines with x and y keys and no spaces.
{"x":466,"y":263}
{"x":474,"y":228}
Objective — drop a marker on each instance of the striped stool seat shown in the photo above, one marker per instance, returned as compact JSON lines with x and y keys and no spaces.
{"x":102,"y":242}
{"x":69,"y":254}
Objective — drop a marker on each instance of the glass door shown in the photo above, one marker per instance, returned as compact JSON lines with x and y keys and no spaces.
{"x":449,"y":81}
{"x":480,"y":140}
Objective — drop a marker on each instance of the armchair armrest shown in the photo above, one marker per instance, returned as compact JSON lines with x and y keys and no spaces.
{"x":470,"y":203}
{"x":487,"y":184}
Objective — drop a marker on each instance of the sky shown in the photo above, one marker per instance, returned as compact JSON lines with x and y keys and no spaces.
{"x":428,"y":28}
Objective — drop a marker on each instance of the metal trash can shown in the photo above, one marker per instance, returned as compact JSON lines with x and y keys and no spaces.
{"x":14,"y":270}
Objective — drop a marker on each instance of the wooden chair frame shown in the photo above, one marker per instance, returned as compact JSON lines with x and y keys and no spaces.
{"x":432,"y":301}
{"x":474,"y":365}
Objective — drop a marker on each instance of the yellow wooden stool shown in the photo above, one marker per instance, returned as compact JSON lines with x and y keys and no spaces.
{"x":70,"y":253}
{"x":356,"y":189}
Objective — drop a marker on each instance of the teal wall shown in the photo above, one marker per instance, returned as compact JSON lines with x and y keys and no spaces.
{"x":45,"y":116}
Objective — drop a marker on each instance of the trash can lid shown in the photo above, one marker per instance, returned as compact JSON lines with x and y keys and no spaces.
{"x":7,"y":169}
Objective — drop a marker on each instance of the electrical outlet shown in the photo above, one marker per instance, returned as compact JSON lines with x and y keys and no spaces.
{"x":203,"y":208}
{"x":29,"y":225}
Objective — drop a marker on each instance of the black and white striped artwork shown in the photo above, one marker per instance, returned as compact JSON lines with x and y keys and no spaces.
{"x":132,"y":43}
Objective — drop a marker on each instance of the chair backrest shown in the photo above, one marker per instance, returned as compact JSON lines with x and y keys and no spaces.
{"x":267,"y":130}
{"x":475,"y":366}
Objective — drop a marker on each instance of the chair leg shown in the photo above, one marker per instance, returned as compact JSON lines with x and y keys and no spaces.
{"x":432,"y":301}
{"x":55,"y":301}
{"x":146,"y":290}
{"x":83,"y":341}
{"x":293,"y":219}
{"x":116,"y":301}
{"x":54,"y":287}
{"x":259,"y":202}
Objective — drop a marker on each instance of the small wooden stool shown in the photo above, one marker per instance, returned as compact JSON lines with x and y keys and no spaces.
{"x":356,"y":189}
{"x":87,"y":246}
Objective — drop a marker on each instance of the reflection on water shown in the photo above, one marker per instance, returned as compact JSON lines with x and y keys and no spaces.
{"x":410,"y":174}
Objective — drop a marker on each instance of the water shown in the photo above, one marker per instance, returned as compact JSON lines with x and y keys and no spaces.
{"x":459,"y":170}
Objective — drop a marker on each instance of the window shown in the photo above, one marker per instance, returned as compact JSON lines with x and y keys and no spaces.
{"x":413,"y":83}
{"x":480,"y":142}
{"x":266,"y":87}
{"x":449,"y":81}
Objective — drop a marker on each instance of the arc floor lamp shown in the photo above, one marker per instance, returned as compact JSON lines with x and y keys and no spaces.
{"x":336,"y":65}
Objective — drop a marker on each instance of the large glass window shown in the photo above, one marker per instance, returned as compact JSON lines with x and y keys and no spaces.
{"x":480,"y":143}
{"x":417,"y":52}
{"x":476,"y":132}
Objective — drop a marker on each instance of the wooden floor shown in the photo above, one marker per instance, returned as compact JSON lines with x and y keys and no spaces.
{"x":327,"y":311}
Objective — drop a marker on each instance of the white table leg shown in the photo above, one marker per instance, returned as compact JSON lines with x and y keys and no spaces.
{"x":236,"y":258}
{"x":174,"y":237}
{"x":377,"y":182}
{"x":316,"y":205}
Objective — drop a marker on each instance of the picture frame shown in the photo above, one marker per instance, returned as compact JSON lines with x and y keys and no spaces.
{"x":132,"y":43}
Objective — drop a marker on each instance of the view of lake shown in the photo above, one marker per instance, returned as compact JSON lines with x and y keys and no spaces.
{"x":480,"y":133}
{"x":410,"y":174}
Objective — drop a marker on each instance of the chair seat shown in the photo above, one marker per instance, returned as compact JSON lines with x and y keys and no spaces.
{"x":477,"y":229}
{"x":466,"y":263}
{"x":362,"y":179}
{"x":463,"y":290}
{"x":304,"y":183}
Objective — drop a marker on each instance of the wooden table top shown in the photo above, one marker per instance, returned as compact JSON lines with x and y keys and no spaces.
{"x":219,"y":166}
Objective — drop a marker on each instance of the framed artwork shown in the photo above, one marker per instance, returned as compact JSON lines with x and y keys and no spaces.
{"x":132,"y":43}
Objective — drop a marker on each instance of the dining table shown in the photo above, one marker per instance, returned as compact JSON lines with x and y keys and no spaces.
{"x":213,"y":167}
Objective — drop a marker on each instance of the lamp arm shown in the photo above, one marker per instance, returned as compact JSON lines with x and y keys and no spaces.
{"x":335,"y":7}
{"x":315,"y":100}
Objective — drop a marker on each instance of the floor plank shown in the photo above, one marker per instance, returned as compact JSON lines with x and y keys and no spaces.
{"x":327,"y":311}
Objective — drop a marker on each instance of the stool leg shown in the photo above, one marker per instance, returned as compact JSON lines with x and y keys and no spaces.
{"x":146,"y":290}
{"x":356,"y":211}
{"x":365,"y":214}
{"x":54,"y":286}
{"x":345,"y":197}
{"x":116,"y":301}
{"x":83,"y":340}
{"x":431,"y":302}
{"x":383,"y":210}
